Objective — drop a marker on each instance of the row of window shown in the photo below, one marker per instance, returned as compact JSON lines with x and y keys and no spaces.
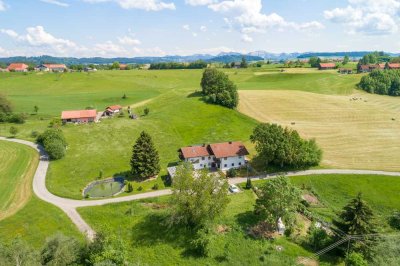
{"x":225,"y":165}
{"x":225,"y":158}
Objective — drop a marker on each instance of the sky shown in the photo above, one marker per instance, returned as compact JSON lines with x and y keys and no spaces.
{"x":130,"y":28}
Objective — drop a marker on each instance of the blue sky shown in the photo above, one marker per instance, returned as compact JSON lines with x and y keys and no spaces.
{"x":110,"y":28}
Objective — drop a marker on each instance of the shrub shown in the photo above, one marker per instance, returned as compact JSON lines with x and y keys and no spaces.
{"x":16,"y":118}
{"x":129,"y":187}
{"x":394,"y":220}
{"x":55,"y":122}
{"x":140,"y":188}
{"x":13,"y":130}
{"x":317,"y":238}
{"x":155,"y":187}
{"x":54,"y":148}
{"x":146,"y":111}
{"x":355,"y":259}
{"x":231,"y":172}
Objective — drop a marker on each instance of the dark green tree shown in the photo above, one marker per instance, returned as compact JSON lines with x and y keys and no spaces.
{"x":346,"y":60}
{"x":278,"y":198}
{"x":314,"y":61}
{"x":243,"y":63}
{"x":218,"y":89}
{"x":5,"y":105}
{"x":60,"y":250}
{"x":284,"y":147}
{"x":18,"y":253}
{"x":357,"y":218}
{"x":13,"y":131}
{"x":145,"y":162}
{"x":36,"y":109}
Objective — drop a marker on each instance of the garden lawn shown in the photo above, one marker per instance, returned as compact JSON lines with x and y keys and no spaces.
{"x":17,"y":167}
{"x":141,"y":225}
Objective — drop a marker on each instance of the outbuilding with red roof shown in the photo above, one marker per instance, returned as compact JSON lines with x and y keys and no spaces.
{"x":78,"y":116}
{"x":326,"y":66}
{"x":18,"y":67}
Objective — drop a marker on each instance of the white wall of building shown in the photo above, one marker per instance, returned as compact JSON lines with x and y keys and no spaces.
{"x":232,"y":162}
{"x":201,"y":162}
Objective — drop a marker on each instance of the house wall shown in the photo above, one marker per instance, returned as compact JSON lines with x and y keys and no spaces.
{"x":232,"y":162}
{"x":201,"y":162}
{"x":79,"y":120}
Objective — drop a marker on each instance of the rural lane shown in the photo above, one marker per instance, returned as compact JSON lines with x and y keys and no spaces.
{"x":69,"y":205}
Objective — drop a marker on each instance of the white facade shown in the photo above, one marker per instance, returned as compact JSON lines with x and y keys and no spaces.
{"x":223,"y":164}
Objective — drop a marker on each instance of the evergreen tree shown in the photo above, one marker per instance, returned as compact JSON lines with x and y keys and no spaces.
{"x":243,"y":64}
{"x":145,"y":162}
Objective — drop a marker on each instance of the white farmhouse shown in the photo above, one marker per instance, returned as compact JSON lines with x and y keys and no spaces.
{"x":223,"y":156}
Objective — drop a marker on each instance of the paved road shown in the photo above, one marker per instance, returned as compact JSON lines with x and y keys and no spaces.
{"x":69,"y":205}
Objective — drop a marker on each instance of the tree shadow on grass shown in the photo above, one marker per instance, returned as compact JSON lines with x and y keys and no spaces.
{"x":247,"y":219}
{"x":195,"y":94}
{"x":154,"y":228}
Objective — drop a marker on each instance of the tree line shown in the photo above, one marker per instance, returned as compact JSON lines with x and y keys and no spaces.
{"x":386,"y":82}
{"x":199,"y":64}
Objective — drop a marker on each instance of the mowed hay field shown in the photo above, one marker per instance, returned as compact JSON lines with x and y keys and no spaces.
{"x":356,"y":134}
{"x":17,"y":167}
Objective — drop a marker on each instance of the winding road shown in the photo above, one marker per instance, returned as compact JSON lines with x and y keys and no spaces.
{"x":69,"y":206}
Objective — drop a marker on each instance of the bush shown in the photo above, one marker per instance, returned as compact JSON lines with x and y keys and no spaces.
{"x":140,"y":188}
{"x":13,"y":130}
{"x":355,"y":259}
{"x":155,"y":187}
{"x":54,"y":148}
{"x":318,"y":238}
{"x":55,"y":122}
{"x":16,"y":118}
{"x":54,"y":143}
{"x":129,"y":187}
{"x":394,"y":220}
{"x":146,"y":111}
{"x":231,"y":172}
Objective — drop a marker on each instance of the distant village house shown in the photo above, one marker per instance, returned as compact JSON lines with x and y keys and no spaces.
{"x":222,"y":156}
{"x":51,"y":67}
{"x":79,"y":116}
{"x":123,"y":66}
{"x":326,"y":66}
{"x":112,"y":110}
{"x":18,"y":67}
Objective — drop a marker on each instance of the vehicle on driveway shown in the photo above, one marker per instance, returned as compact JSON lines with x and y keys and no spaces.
{"x":233,"y":189}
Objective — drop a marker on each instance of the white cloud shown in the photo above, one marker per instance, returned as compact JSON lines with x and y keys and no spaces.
{"x":203,"y":28}
{"x":186,"y":27}
{"x":200,"y":2}
{"x":55,"y":2}
{"x":10,"y":33}
{"x":148,"y":5}
{"x":247,"y":17}
{"x":126,"y":40}
{"x":4,"y":52}
{"x":246,"y":38}
{"x":367,"y":16}
{"x":194,"y":34}
{"x":3,"y":6}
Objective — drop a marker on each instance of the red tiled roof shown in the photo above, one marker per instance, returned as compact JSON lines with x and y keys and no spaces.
{"x":51,"y":66}
{"x":327,"y":65}
{"x":195,"y":151}
{"x":114,"y":107}
{"x":228,"y":149}
{"x":78,"y":114}
{"x":394,"y":65}
{"x":365,"y":67}
{"x":382,"y":66}
{"x":17,"y":66}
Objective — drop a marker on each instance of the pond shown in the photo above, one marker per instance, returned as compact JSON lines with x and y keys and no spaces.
{"x":104,"y":188}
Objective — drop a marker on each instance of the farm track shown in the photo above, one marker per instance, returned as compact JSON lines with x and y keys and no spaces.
{"x":69,"y":206}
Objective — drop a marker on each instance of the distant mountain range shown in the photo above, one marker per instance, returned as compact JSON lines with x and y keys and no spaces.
{"x":220,"y":58}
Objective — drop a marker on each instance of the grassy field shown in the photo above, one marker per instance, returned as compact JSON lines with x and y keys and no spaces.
{"x":17,"y":167}
{"x":35,"y":222}
{"x":335,"y":191}
{"x":140,"y":225}
{"x":356,"y":134}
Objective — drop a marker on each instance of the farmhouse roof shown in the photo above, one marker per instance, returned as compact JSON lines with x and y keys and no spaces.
{"x":228,"y":149}
{"x":327,"y":65}
{"x":17,"y":66}
{"x":195,"y":151}
{"x":394,"y":65}
{"x":51,"y":66}
{"x":114,"y":107}
{"x":364,"y":67}
{"x":78,"y":114}
{"x":381,"y":66}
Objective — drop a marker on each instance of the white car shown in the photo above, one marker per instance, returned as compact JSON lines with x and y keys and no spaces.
{"x":233,"y":189}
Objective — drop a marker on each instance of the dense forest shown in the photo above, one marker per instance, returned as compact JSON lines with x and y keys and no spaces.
{"x":385,"y":82}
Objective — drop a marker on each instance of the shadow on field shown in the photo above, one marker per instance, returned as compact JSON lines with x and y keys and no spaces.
{"x":247,"y":219}
{"x":195,"y":94}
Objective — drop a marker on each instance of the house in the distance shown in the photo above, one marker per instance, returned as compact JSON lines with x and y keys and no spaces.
{"x":51,"y":67}
{"x":392,"y":66}
{"x":223,"y":156}
{"x":18,"y":67}
{"x":123,"y":66}
{"x":112,"y":110}
{"x":326,"y":66}
{"x":78,"y":116}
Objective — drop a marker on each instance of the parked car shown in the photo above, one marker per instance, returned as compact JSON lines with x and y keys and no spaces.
{"x":233,"y":189}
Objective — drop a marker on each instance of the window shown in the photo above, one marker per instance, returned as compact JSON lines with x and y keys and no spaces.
{"x":201,"y":165}
{"x":240,"y":163}
{"x":202,"y":158}
{"x":209,"y":164}
{"x":233,"y":164}
{"x":225,"y":165}
{"x":240,"y":157}
{"x":209,"y":158}
{"x":225,"y":158}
